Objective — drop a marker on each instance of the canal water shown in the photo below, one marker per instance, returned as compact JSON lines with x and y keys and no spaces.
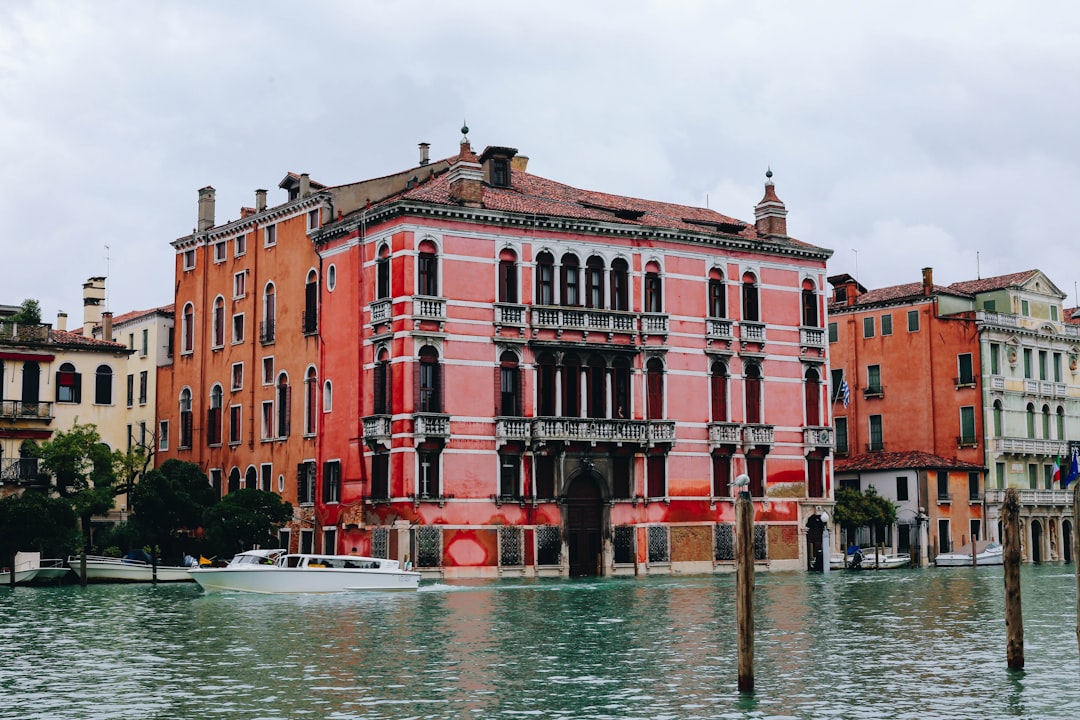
{"x":892,"y":644}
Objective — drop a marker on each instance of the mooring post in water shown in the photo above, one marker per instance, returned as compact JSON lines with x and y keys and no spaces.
{"x":974,"y":551}
{"x":744,"y":584}
{"x":1014,"y":620}
{"x":1076,"y":552}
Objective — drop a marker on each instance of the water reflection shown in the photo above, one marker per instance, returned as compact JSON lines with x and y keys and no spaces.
{"x":904,"y":643}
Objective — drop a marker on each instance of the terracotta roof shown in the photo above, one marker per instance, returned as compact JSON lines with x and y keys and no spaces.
{"x":1072,"y":315}
{"x":892,"y":294}
{"x":912,"y":459}
{"x":534,"y":195}
{"x":135,"y":314}
{"x":63,"y":337}
{"x":994,"y":283}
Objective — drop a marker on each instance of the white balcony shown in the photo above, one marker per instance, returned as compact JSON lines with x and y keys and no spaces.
{"x":377,"y":431}
{"x":654,"y":324}
{"x":724,"y":433}
{"x":810,"y":337}
{"x":1033,"y":498}
{"x":818,"y":437}
{"x":380,"y":311}
{"x":593,"y":430}
{"x":583,"y":320}
{"x":428,"y":426}
{"x":509,"y":429}
{"x":752,"y":332}
{"x":757,"y":435}
{"x":1031,"y":446}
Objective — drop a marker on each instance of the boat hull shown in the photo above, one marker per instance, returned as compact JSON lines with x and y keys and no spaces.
{"x":279,"y":580}
{"x":21,"y":576}
{"x":117,"y":571}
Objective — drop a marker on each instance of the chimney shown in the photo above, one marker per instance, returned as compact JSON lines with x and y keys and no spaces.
{"x":519,"y":162}
{"x":106,"y":326}
{"x":305,"y":185}
{"x":246,"y":212}
{"x":260,"y":200}
{"x":466,"y":176}
{"x":770,"y":214}
{"x":206,"y":208}
{"x":61,"y":321}
{"x":424,"y":158}
{"x":927,"y":281}
{"x":93,"y":304}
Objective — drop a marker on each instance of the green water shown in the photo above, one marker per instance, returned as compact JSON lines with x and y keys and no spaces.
{"x":894,"y":644}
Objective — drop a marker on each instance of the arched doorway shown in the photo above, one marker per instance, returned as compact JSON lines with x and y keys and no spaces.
{"x":1067,"y":540}
{"x":1036,"y":541}
{"x":584,"y":521}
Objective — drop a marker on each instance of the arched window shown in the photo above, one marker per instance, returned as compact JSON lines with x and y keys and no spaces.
{"x":654,"y":301}
{"x":327,"y":396}
{"x":571,"y":386}
{"x":187,"y":329}
{"x":571,"y":280}
{"x":283,"y":395}
{"x":509,"y":385}
{"x":809,"y":305}
{"x":429,"y":379}
{"x":68,"y":384}
{"x":508,"y":277}
{"x":545,"y":279}
{"x":234,"y":480}
{"x":427,"y":270}
{"x":382,"y":271}
{"x":596,"y":374}
{"x":1060,"y":423}
{"x":217,"y":320}
{"x":268,"y":329}
{"x":620,"y":381}
{"x":213,"y":416}
{"x":717,"y":298}
{"x":718,"y":391}
{"x":594,"y":282}
{"x":186,"y":421}
{"x":813,"y":397}
{"x":998,"y":426}
{"x":1046,"y":422}
{"x":752,"y":383}
{"x":310,"y":318}
{"x":751,"y":311}
{"x":545,"y":385}
{"x":251,"y":478}
{"x":1030,"y":420}
{"x":620,"y":285}
{"x":103,"y":383}
{"x":654,"y":383}
{"x":381,"y":385}
{"x":311,"y":400}
{"x":331,"y":278}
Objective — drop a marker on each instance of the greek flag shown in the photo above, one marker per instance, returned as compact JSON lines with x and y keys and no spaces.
{"x":845,"y":391}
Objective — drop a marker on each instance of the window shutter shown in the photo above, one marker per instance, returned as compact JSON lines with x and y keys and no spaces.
{"x":288,"y":409}
{"x":438,"y":380}
{"x":498,"y":390}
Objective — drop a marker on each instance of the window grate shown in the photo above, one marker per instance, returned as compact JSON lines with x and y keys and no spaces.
{"x":428,"y":546}
{"x":548,"y":545}
{"x":659,"y":551}
{"x":624,"y":544}
{"x":380,"y":542}
{"x":761,"y":542}
{"x":724,"y":542}
{"x":510,"y":547}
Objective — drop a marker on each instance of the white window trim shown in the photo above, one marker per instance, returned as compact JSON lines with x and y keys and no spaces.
{"x":243,"y":328}
{"x":232,"y":378}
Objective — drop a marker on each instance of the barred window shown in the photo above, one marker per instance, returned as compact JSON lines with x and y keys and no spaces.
{"x":428,"y":546}
{"x":761,"y":542}
{"x":548,"y":545}
{"x":659,"y":549}
{"x":624,"y":544}
{"x":724,"y":542}
{"x":510,"y":547}
{"x":380,"y":542}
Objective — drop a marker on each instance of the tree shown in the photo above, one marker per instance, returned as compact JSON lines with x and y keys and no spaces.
{"x":34,"y":521}
{"x":244,"y":519}
{"x":169,"y":500}
{"x":856,"y":509}
{"x":29,"y":313}
{"x":82,"y":471}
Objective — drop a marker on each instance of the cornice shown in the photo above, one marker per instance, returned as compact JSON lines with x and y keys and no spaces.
{"x":253,"y":222}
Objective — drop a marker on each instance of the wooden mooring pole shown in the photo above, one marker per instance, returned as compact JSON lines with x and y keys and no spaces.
{"x":1014,"y":620}
{"x":1076,"y":552}
{"x":744,"y":588}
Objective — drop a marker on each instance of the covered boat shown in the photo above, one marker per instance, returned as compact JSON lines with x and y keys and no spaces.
{"x":986,"y":553}
{"x":114,"y":569}
{"x":275,"y":571}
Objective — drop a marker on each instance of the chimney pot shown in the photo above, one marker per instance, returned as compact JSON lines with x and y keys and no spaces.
{"x":61,"y":321}
{"x":260,"y":200}
{"x":305,"y":185}
{"x":106,"y":326}
{"x":206,"y":208}
{"x":424,"y":148}
{"x":927,"y":280}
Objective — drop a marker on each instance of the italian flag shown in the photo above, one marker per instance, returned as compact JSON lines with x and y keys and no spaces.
{"x":1057,"y":469}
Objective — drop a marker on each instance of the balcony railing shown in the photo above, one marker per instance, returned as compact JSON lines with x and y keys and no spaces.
{"x":967,"y":441}
{"x":512,"y":428}
{"x":654,"y":324}
{"x":812,"y":337}
{"x":377,"y":431}
{"x":997,"y":382}
{"x":752,"y":331}
{"x":431,"y":425}
{"x":18,"y":469}
{"x":820,"y":436}
{"x":589,"y":430}
{"x":755,"y":435}
{"x":718,"y":329}
{"x":20,"y":410}
{"x":1033,"y":498}
{"x":429,"y":308}
{"x":964,"y":382}
{"x":380,"y":311}
{"x":661,"y":431}
{"x":1031,"y":446}
{"x":874,"y":391}
{"x":266,"y":331}
{"x":22,"y":332}
{"x":724,"y":433}
{"x":584,"y":320}
{"x":510,"y":314}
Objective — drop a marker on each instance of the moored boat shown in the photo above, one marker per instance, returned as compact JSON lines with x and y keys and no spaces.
{"x":113,"y":569}
{"x":275,"y":571}
{"x":870,"y":560}
{"x":51,"y":570}
{"x":986,"y":553}
{"x":21,"y":576}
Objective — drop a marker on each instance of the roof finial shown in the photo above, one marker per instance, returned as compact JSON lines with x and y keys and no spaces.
{"x":464,"y":132}
{"x":768,"y":176}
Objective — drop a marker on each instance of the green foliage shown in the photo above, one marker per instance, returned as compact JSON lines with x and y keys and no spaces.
{"x":169,"y":499}
{"x":29,"y":313}
{"x":244,"y":519}
{"x":33,"y":521}
{"x":856,"y":509}
{"x":83,"y":471}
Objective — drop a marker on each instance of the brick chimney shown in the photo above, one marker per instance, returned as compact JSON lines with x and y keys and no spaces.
{"x":106,"y":326}
{"x":305,"y":185}
{"x":260,"y":200}
{"x":206,"y":208}
{"x":466,"y":176}
{"x":927,"y":281}
{"x":93,"y":304}
{"x":61,"y":321}
{"x":770,"y":214}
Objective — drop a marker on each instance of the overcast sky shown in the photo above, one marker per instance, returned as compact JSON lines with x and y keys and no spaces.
{"x":901,"y":135}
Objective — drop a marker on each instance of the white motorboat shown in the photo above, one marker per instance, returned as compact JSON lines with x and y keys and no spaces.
{"x":113,"y":569}
{"x":987,"y":553}
{"x":276,"y":571}
{"x":21,"y":576}
{"x":871,"y":559}
{"x":50,"y":570}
